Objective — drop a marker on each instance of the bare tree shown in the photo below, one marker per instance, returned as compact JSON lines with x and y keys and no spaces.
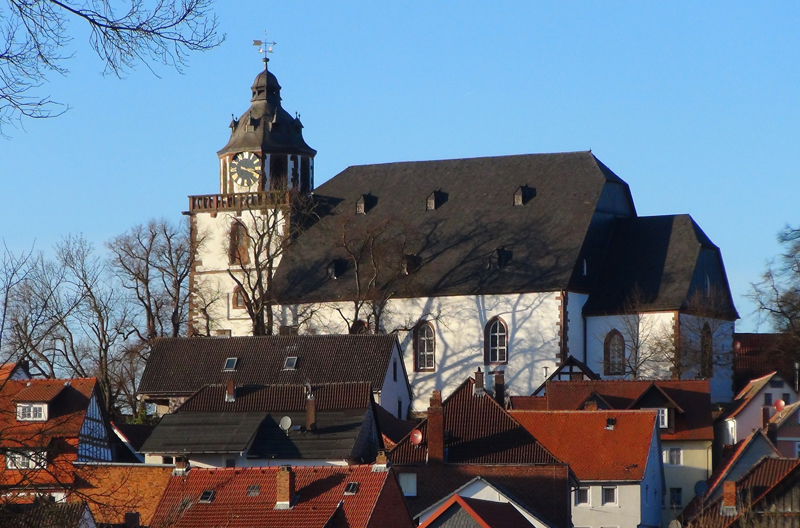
{"x":14,"y":269}
{"x":34,"y":35}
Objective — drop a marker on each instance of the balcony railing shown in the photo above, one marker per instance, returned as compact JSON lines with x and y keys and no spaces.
{"x":235,"y":202}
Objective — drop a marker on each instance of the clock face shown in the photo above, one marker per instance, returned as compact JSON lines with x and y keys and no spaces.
{"x":245,"y":169}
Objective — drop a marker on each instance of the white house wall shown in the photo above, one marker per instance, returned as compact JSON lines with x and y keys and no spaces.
{"x":750,"y":417}
{"x":393,"y":390}
{"x":625,"y":514}
{"x":459,"y":322}
{"x":652,"y":485}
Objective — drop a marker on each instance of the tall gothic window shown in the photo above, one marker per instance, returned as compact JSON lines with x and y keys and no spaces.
{"x":239,"y":244}
{"x":614,"y":354}
{"x":424,"y":347}
{"x":496,"y":341}
{"x":706,"y":352}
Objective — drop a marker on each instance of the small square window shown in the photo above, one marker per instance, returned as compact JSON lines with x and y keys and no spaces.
{"x":254,"y":490}
{"x":767,"y":398}
{"x":776,"y":384}
{"x":609,"y":495}
{"x":675,"y":497}
{"x":582,"y":497}
{"x":351,"y":488}
{"x":207,"y":496}
{"x":787,"y":398}
{"x":408,"y":483}
{"x":168,"y":460}
{"x":290,"y":363}
{"x":230,"y":363}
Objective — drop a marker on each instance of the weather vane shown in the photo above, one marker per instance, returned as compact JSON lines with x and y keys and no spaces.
{"x":264,"y":47}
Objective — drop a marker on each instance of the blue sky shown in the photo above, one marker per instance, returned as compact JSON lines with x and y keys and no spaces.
{"x":695,"y":105}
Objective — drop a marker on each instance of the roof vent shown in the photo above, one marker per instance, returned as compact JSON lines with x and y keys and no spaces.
{"x":435,"y":200}
{"x":290,"y":363}
{"x":351,"y":488}
{"x":411,"y":263}
{"x":230,"y":363}
{"x":610,"y":423}
{"x":523,"y":195}
{"x":207,"y":496}
{"x":254,"y":490}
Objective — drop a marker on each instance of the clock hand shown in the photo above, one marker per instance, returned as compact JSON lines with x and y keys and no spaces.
{"x":254,"y":171}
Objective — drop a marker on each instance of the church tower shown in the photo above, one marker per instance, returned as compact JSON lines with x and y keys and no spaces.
{"x":265,"y":165}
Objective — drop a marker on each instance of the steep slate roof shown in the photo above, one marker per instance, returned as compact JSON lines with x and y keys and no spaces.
{"x":485,"y":513}
{"x":692,"y":396}
{"x":659,"y":263}
{"x":475,"y":216}
{"x":181,"y":366}
{"x":594,"y":451}
{"x":320,"y":499}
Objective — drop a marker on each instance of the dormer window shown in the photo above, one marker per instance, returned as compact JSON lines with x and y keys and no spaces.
{"x":435,"y":200}
{"x":33,"y":412}
{"x":663,"y":418}
{"x":360,"y":206}
{"x":336,"y":268}
{"x":26,"y":460}
{"x":230,"y":364}
{"x":290,"y":363}
{"x":411,"y":263}
{"x":500,"y":258}
{"x":523,"y":195}
{"x":430,"y":204}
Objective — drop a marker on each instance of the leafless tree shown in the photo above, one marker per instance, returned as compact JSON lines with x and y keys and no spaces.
{"x":34,"y":36}
{"x":14,"y":269}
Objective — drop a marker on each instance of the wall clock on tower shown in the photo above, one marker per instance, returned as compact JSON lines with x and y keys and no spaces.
{"x":245,"y":169}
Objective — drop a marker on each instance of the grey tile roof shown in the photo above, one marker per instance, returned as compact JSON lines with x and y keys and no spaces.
{"x":475,"y":216}
{"x":181,"y":366}
{"x":204,"y":432}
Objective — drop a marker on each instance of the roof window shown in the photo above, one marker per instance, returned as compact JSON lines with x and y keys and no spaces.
{"x":411,"y":263}
{"x":290,"y":363}
{"x":254,"y":490}
{"x":435,"y":200}
{"x":610,"y":423}
{"x":207,"y":496}
{"x":365,"y":203}
{"x":351,"y":488}
{"x":523,"y":195}
{"x":230,"y":363}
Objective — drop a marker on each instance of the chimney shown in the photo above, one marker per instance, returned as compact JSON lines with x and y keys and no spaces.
{"x":284,"y":488}
{"x":478,"y":389}
{"x":381,"y":462}
{"x":311,"y":412}
{"x":181,"y":466}
{"x":436,"y":430}
{"x":728,"y":498}
{"x":500,"y":388}
{"x":132,"y":520}
{"x":230,"y":391}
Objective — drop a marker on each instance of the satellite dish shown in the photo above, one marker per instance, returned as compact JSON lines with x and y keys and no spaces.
{"x":416,"y":437}
{"x":780,"y":405}
{"x":701,"y":488}
{"x":675,"y":524}
{"x":285,"y":424}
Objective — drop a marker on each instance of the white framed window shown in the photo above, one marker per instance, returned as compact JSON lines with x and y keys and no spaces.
{"x":663,"y":418}
{"x":26,"y":460}
{"x":609,"y":496}
{"x":34,"y":412}
{"x":496,"y":341}
{"x":673,"y":456}
{"x":425,"y":343}
{"x":582,"y":497}
{"x":408,"y":483}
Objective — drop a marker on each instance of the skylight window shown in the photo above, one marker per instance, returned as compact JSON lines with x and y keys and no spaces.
{"x":254,"y":490}
{"x":230,"y":363}
{"x":290,"y":363}
{"x":207,"y":496}
{"x":351,"y":488}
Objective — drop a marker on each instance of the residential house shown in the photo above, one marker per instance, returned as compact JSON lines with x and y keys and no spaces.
{"x":47,"y":425}
{"x":685,"y":423}
{"x":179,"y":367}
{"x":767,"y":495}
{"x":616,"y":455}
{"x":784,"y":431}
{"x":14,"y":371}
{"x":470,"y":435}
{"x":570,"y":370}
{"x":252,"y":425}
{"x":284,"y":497}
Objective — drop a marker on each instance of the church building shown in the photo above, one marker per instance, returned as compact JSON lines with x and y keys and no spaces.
{"x":512,"y":263}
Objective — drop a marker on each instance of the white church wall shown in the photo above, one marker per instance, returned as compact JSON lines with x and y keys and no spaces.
{"x":722,"y":341}
{"x":575,"y":326}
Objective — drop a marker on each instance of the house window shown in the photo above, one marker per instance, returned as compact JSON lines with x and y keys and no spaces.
{"x":394,"y":370}
{"x":425,"y":347}
{"x":290,"y":363}
{"x":609,"y":495}
{"x":253,"y":490}
{"x":496,"y":341}
{"x":230,"y":363}
{"x":663,"y":418}
{"x":399,"y":408}
{"x":408,"y":483}
{"x":239,"y":244}
{"x":26,"y":460}
{"x":34,"y":412}
{"x":614,"y":354}
{"x":706,"y":352}
{"x":582,"y":497}
{"x":787,"y":398}
{"x":776,"y":384}
{"x":207,"y":496}
{"x":675,"y":497}
{"x":767,"y":398}
{"x":167,"y":460}
{"x":673,"y":456}
{"x":238,"y":298}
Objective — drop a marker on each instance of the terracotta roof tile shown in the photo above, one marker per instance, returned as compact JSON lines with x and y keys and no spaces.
{"x":619,"y":453}
{"x":40,"y":391}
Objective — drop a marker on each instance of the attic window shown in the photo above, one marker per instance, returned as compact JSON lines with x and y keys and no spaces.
{"x":411,"y":263}
{"x":663,"y":418}
{"x":610,"y":423}
{"x":335,"y":268}
{"x":254,"y":490}
{"x":435,"y":200}
{"x":207,"y":496}
{"x":33,"y":412}
{"x":290,"y":363}
{"x":230,"y":363}
{"x":351,"y":488}
{"x":523,"y":195}
{"x":360,"y":206}
{"x":430,"y":204}
{"x":500,"y":258}
{"x":585,"y":268}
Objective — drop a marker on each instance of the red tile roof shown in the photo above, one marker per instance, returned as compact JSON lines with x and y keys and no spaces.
{"x":40,"y":391}
{"x":477,"y":431}
{"x":594,"y":450}
{"x":320,"y":499}
{"x":691,"y":396}
{"x":488,"y":514}
{"x":527,"y":403}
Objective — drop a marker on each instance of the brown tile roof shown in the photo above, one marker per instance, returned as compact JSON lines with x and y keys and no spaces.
{"x":181,"y":366}
{"x":477,"y":431}
{"x":488,"y":514}
{"x":113,"y":490}
{"x":619,"y":453}
{"x":328,"y":397}
{"x":320,"y":499}
{"x":40,"y":391}
{"x":692,"y":396}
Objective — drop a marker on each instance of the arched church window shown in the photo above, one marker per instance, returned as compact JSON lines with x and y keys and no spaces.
{"x":614,"y":354}
{"x":237,"y":300}
{"x":496,"y":341}
{"x":239,"y":244}
{"x":424,"y":347}
{"x":706,"y":352}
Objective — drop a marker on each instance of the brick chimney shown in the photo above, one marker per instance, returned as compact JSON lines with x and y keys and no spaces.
{"x":284,"y":488}
{"x":311,"y":412}
{"x":728,"y":498}
{"x":478,"y":389}
{"x":500,"y":388}
{"x":230,"y":391}
{"x":435,"y":430}
{"x":381,"y":462}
